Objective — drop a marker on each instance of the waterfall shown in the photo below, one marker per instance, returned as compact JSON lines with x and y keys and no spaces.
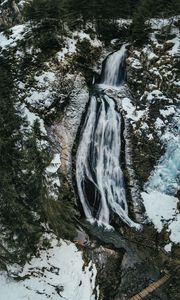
{"x":114,"y":71}
{"x":99,"y":176}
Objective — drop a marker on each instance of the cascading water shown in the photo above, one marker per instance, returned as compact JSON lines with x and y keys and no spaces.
{"x":99,"y":175}
{"x":113,"y":73}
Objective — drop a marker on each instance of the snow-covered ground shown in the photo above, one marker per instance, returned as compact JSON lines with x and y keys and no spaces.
{"x":42,"y":94}
{"x":18,"y":33}
{"x":57,"y":273}
{"x":71,"y":43}
{"x":162,"y":211}
{"x":31,"y":118}
{"x":131,"y":111}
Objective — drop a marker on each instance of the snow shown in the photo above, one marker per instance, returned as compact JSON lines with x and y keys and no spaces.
{"x":37,"y":97}
{"x":177,"y":83}
{"x":166,"y":175}
{"x":47,"y":76}
{"x":55,"y":164}
{"x":4,"y":2}
{"x":150,"y":136}
{"x":159,"y":123}
{"x":58,"y":272}
{"x":144,"y":126}
{"x":136,"y":64}
{"x":19,"y":54}
{"x":160,"y":190}
{"x":82,"y":35}
{"x":22,"y":3}
{"x":53,"y":176}
{"x":175,"y":230}
{"x":149,"y":53}
{"x":70,"y":48}
{"x":71,"y":42}
{"x":162,"y":210}
{"x":155,"y":93}
{"x":122,"y":22}
{"x":159,"y":23}
{"x":131,"y":112}
{"x":18,"y":32}
{"x":32,"y":117}
{"x":152,"y":56}
{"x":42,"y":93}
{"x":175,"y":51}
{"x":168,"y":247}
{"x":168,"y":111}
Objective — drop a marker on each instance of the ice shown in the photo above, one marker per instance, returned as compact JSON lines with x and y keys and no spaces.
{"x":166,"y":176}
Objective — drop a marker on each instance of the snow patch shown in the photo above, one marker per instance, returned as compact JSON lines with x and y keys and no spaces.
{"x":131,"y":111}
{"x":32,"y":117}
{"x":168,"y":247}
{"x":162,"y":210}
{"x":159,"y":23}
{"x":58,"y":272}
{"x":168,"y":111}
{"x":43,"y":92}
{"x":175,"y":51}
{"x":159,"y":123}
{"x":136,"y":64}
{"x":70,"y":43}
{"x":174,"y":228}
{"x":18,"y":32}
{"x":55,"y":164}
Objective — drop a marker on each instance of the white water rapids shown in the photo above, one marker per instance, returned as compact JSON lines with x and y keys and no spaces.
{"x":99,"y":176}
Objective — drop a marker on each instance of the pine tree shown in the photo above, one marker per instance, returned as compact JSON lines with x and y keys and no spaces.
{"x":139,"y":28}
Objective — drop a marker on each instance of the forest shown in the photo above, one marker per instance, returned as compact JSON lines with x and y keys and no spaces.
{"x":101,"y":9}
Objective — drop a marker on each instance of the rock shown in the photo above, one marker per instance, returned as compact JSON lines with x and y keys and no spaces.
{"x":10,"y":14}
{"x":168,"y":45}
{"x":66,"y":129}
{"x":108,"y":262}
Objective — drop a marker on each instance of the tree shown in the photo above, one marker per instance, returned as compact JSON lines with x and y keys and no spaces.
{"x":26,"y":193}
{"x":139,"y":27}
